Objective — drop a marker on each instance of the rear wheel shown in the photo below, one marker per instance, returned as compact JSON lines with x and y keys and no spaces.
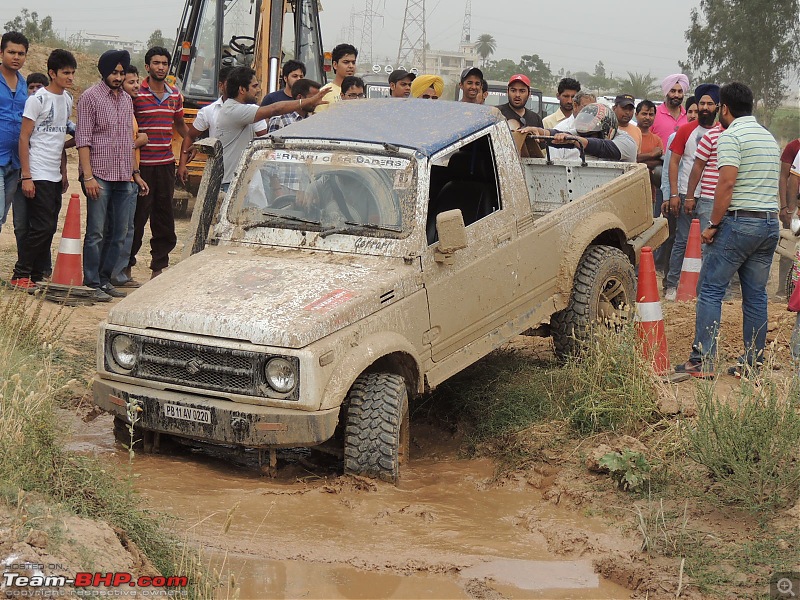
{"x":376,"y":434}
{"x":603,"y":292}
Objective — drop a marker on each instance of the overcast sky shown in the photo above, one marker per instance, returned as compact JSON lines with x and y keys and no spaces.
{"x":574,"y":35}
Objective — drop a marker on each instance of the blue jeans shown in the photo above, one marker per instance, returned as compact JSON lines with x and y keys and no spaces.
{"x":9,"y":180}
{"x":125,"y":252}
{"x":100,"y":249}
{"x":744,"y":245}
{"x":684,"y":222}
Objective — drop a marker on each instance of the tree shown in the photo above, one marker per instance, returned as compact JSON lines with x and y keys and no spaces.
{"x":539,"y":71}
{"x":485,"y":46}
{"x":756,"y":42}
{"x":600,"y":81}
{"x":157,"y":39}
{"x":637,"y":85}
{"x":36,"y":31}
{"x":531,"y":65}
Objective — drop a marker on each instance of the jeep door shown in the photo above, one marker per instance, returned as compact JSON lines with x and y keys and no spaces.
{"x":472,"y":295}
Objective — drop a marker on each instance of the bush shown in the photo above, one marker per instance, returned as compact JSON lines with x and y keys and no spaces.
{"x":749,"y":444}
{"x":611,"y":385}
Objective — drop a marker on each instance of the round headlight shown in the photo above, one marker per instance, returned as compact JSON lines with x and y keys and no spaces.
{"x":280,"y":375}
{"x":123,"y":350}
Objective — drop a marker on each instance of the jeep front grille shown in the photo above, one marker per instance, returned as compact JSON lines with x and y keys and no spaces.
{"x":198,"y":367}
{"x":202,"y":367}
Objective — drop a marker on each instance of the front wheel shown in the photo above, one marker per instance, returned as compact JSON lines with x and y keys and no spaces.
{"x":603,"y":291}
{"x":376,"y":435}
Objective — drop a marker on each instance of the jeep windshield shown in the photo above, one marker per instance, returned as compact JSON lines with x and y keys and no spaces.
{"x":329,"y":192}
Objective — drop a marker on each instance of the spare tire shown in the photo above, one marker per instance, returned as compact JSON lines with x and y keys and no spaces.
{"x":603,"y":291}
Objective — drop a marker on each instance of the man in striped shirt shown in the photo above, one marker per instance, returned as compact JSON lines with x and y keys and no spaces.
{"x":742,"y":234}
{"x":158,"y":108}
{"x":706,"y":174}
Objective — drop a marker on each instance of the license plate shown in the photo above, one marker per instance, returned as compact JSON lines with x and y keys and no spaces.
{"x":187,"y":413}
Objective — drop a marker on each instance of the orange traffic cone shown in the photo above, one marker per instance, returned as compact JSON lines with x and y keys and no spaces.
{"x":692,"y":261}
{"x":66,"y":284}
{"x":649,"y":316}
{"x":68,"y":269}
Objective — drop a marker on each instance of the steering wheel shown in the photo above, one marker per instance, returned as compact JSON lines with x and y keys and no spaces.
{"x":238,"y":44}
{"x":284,"y":201}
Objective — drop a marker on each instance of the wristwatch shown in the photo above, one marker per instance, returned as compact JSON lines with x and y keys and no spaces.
{"x":136,"y":172}
{"x":712,"y":225}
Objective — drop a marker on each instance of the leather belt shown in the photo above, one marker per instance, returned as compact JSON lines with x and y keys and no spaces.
{"x":752,"y":214}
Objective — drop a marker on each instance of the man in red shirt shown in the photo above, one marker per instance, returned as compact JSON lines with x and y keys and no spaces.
{"x":683,"y":148}
{"x":670,"y":115}
{"x":158,"y":109}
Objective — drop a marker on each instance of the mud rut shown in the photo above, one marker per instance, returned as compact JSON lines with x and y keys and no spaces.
{"x":445,"y":531}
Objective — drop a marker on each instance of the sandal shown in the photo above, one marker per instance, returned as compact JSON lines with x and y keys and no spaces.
{"x":695,"y":368}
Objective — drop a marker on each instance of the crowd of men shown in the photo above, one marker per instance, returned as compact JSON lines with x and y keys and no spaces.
{"x":707,"y":156}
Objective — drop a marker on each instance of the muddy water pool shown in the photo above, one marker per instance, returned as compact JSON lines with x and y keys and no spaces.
{"x":444,"y":532}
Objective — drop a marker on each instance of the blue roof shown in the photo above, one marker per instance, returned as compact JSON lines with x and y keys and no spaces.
{"x":423,"y":125}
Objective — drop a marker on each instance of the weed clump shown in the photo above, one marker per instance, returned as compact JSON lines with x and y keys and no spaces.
{"x":749,"y":444}
{"x":611,"y":385}
{"x":32,"y":456}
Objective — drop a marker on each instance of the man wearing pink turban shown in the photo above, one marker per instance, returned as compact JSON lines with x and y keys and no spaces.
{"x":671,"y":114}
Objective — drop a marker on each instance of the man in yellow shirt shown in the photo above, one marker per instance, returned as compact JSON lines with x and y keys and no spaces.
{"x":567,"y":88}
{"x":343,"y":61}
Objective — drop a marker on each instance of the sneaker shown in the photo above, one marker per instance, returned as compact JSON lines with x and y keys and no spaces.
{"x":128,"y":283}
{"x":112,"y":291}
{"x":695,"y":368}
{"x":100,"y":296}
{"x":22,"y":283}
{"x":671,"y":294}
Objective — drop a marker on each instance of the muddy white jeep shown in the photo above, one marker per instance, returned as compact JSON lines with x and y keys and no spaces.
{"x":361,"y":257}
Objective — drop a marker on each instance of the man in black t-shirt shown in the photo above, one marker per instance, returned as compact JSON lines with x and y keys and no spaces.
{"x":515,"y":111}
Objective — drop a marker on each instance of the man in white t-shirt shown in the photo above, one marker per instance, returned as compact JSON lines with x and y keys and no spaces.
{"x":45,"y":124}
{"x":239,"y":120}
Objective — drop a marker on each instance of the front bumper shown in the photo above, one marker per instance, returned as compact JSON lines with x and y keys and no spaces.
{"x":233,"y":423}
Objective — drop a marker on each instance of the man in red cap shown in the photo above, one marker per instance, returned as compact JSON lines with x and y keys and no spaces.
{"x":515,"y":110}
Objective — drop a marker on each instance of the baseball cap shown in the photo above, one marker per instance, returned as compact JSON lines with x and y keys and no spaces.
{"x":471,"y":71}
{"x":624,"y":100}
{"x":520,"y":77}
{"x":399,"y":74}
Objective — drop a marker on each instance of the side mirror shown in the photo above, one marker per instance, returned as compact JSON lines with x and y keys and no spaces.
{"x":452,"y":235}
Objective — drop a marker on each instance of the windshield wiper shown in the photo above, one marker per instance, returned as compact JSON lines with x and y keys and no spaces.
{"x":374,"y":226}
{"x":277,"y":216}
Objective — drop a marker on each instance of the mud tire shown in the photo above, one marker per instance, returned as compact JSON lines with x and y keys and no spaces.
{"x":376,"y":436}
{"x":602,"y":270}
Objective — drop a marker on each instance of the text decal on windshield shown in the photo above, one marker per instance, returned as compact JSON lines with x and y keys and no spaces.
{"x":329,"y":158}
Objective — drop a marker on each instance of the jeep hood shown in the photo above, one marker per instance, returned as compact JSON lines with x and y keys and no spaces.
{"x":273,"y":297}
